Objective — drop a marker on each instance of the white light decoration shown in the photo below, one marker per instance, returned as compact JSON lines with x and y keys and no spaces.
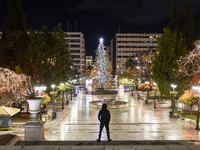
{"x":189,"y":65}
{"x":173,"y":86}
{"x":10,"y":85}
{"x":43,"y":88}
{"x":53,"y":86}
{"x":101,"y":40}
{"x":196,"y":88}
{"x":101,"y":72}
{"x":37,"y":88}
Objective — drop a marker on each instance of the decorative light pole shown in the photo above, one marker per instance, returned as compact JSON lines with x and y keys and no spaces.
{"x":197,"y":89}
{"x":147,"y":82}
{"x":138,"y":89}
{"x":155,"y":89}
{"x":132,"y":90}
{"x":125,"y":81}
{"x":173,"y":99}
{"x":66,"y":94}
{"x":62,"y":84}
{"x":53,"y":113}
{"x":71,"y":94}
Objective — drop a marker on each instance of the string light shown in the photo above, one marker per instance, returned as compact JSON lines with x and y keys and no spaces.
{"x":10,"y":83}
{"x":101,"y":72}
{"x":190,"y":64}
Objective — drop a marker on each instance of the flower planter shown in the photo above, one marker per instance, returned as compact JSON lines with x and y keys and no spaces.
{"x":34,"y":106}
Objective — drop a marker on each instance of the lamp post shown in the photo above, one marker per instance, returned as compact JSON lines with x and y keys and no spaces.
{"x":132,"y":90}
{"x":66,"y":94}
{"x":53,"y":113}
{"x":197,"y":89}
{"x":71,"y":94}
{"x":62,"y":84}
{"x":138,"y":89}
{"x":155,"y":88}
{"x":147,"y":82}
{"x":173,"y":100}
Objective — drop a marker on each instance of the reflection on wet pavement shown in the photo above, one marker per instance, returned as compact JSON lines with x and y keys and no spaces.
{"x":139,"y":121}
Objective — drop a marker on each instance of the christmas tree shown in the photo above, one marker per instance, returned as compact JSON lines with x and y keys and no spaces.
{"x":101,"y":72}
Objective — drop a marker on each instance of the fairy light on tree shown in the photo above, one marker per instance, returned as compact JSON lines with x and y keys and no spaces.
{"x":10,"y":84}
{"x":190,"y":64}
{"x":101,"y":72}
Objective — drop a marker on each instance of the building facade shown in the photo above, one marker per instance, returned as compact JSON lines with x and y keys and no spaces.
{"x":89,"y":61}
{"x":128,"y":45}
{"x":76,"y":45}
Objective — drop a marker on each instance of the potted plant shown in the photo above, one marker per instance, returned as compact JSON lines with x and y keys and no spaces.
{"x":33,"y":102}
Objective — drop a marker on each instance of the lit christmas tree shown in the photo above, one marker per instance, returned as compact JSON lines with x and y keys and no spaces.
{"x":101,"y":72}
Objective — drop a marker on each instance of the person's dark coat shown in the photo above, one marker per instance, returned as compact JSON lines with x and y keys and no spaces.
{"x":104,"y":115}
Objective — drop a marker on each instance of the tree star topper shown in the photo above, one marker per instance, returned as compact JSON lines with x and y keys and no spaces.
{"x":101,"y":40}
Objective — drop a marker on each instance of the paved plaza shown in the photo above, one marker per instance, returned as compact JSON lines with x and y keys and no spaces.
{"x":139,"y":121}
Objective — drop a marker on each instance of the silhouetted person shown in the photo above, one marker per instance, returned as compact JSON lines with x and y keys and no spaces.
{"x":104,"y":118}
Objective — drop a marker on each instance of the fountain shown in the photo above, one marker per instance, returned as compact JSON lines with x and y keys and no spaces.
{"x":111,"y":103}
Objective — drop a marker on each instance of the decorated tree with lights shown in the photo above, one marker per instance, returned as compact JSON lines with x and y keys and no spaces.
{"x":189,"y":67}
{"x":11,"y":84}
{"x":101,"y":72}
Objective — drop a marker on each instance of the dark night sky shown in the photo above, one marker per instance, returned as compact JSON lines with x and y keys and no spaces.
{"x":102,"y":18}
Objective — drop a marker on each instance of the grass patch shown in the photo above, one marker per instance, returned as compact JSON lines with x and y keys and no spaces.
{"x":187,"y":114}
{"x":103,"y":92}
{"x":161,"y":97}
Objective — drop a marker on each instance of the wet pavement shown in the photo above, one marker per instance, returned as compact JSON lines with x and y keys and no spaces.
{"x":139,"y":121}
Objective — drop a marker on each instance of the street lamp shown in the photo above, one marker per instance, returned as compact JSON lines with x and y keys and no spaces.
{"x":155,"y":88}
{"x":197,"y":89}
{"x":53,"y":113}
{"x":138,"y":89}
{"x":71,"y":94}
{"x":66,"y":94}
{"x":147,"y":82}
{"x":132,"y":90}
{"x":125,"y":81}
{"x":62,"y":84}
{"x":173,"y":100}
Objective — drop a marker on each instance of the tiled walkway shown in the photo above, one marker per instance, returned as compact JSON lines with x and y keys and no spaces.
{"x":139,"y":121}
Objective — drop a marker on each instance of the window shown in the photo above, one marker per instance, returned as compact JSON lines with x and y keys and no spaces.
{"x":74,"y":45}
{"x":136,"y":41}
{"x":77,"y":61}
{"x":75,"y":51}
{"x":124,"y":36}
{"x":75,"y":35}
{"x":136,"y":46}
{"x":75,"y":56}
{"x":74,"y":41}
